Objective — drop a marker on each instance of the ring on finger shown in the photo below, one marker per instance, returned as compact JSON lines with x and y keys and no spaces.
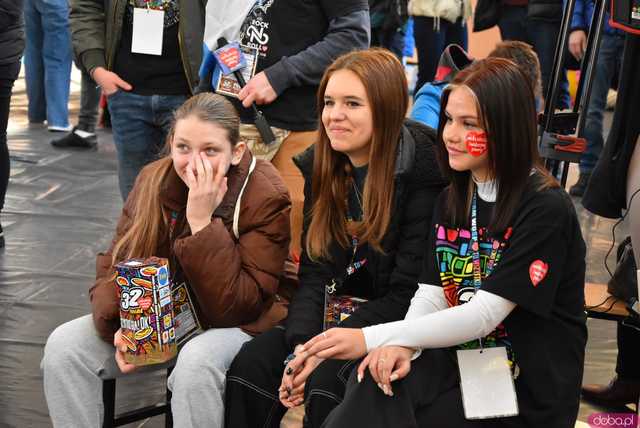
{"x":381,"y":360}
{"x":324,"y":334}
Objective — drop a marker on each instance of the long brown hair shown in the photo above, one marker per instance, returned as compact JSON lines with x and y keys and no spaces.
{"x":149,"y":222}
{"x":506,"y":109}
{"x":385,"y":83}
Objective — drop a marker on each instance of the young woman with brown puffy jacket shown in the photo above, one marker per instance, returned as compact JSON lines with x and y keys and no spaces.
{"x":221,"y":217}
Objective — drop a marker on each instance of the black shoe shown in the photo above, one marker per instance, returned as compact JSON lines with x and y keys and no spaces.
{"x":617,"y":394}
{"x":579,"y":188}
{"x":74,"y":140}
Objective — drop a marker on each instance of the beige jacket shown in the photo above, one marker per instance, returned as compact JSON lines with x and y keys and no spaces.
{"x":450,"y":10}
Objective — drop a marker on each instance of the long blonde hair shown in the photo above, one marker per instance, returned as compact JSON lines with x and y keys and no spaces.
{"x":149,"y":222}
{"x":385,"y":83}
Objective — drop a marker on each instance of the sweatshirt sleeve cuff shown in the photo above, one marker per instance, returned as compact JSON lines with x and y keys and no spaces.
{"x":278,"y":76}
{"x":92,"y":59}
{"x":370,"y":338}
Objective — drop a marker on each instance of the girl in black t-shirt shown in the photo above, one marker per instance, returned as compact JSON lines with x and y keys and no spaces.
{"x":504,"y":267}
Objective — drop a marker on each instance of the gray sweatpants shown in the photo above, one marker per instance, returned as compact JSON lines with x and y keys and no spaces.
{"x":76,"y":360}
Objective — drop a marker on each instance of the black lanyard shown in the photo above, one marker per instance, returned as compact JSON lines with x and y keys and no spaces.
{"x":475,"y":247}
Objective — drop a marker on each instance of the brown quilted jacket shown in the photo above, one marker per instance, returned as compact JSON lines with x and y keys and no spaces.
{"x":235,"y":281}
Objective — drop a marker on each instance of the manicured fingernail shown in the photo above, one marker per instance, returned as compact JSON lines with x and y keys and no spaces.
{"x":359,"y":378}
{"x":289,"y":370}
{"x":393,"y":377}
{"x":385,"y":389}
{"x":380,"y":386}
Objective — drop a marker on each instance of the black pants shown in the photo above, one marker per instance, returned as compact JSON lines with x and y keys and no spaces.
{"x":628,"y":353}
{"x":255,"y":376}
{"x":8,"y":75}
{"x":428,"y":397}
{"x":431,"y":38}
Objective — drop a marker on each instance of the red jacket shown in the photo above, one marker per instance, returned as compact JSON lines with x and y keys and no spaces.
{"x":234,"y":280}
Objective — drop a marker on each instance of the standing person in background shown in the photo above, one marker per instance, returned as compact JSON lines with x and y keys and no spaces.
{"x":47,"y":61}
{"x":607,"y":66}
{"x":536,"y":22}
{"x":296,"y":42}
{"x":437,"y":24}
{"x":144,"y":82}
{"x":388,"y":24}
{"x":614,"y":190}
{"x":83,"y":135}
{"x":11,"y":47}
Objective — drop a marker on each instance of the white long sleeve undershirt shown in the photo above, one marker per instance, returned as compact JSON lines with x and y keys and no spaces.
{"x":430,"y":323}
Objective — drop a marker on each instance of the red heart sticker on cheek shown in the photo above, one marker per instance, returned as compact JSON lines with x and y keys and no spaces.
{"x":537,"y":271}
{"x":476,"y":143}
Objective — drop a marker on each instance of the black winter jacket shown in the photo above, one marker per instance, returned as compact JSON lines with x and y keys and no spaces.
{"x":393,"y":274}
{"x":11,"y":31}
{"x":545,"y":10}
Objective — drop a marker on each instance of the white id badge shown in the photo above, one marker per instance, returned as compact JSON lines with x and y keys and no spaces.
{"x":487,"y":387}
{"x":148,"y":26}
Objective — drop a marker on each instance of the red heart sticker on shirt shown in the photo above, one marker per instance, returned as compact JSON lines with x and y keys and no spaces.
{"x":476,"y":143}
{"x":145,"y":303}
{"x":537,"y":271}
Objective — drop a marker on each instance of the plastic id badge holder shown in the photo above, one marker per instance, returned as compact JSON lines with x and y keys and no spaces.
{"x":185,"y":316}
{"x":148,"y":25}
{"x":486,"y":383}
{"x":338,"y":308}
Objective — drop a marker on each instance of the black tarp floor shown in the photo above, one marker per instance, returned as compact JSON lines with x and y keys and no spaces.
{"x":61,"y":209}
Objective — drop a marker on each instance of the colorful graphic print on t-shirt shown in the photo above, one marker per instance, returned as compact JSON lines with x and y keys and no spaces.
{"x":454,"y":260}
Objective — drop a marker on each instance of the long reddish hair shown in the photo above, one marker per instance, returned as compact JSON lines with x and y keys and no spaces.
{"x":385,"y":83}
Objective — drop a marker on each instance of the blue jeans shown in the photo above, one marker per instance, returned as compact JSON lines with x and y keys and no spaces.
{"x":431,"y":41}
{"x":608,"y":64}
{"x":140,"y":124}
{"x":542,"y":35}
{"x":47,"y":59}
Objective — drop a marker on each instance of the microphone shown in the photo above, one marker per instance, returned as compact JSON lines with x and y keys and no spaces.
{"x":231,"y":60}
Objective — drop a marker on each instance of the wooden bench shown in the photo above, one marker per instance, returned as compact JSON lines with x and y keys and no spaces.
{"x":600,"y":304}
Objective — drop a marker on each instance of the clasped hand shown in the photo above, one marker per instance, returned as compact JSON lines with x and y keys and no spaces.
{"x":337,"y":343}
{"x":386,"y":364}
{"x":206,"y":190}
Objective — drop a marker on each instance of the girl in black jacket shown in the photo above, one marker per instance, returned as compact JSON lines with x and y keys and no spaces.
{"x":370,"y":184}
{"x":11,"y":47}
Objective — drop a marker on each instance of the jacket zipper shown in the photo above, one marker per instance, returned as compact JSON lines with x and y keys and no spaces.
{"x":116,"y":35}
{"x":187,"y":73}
